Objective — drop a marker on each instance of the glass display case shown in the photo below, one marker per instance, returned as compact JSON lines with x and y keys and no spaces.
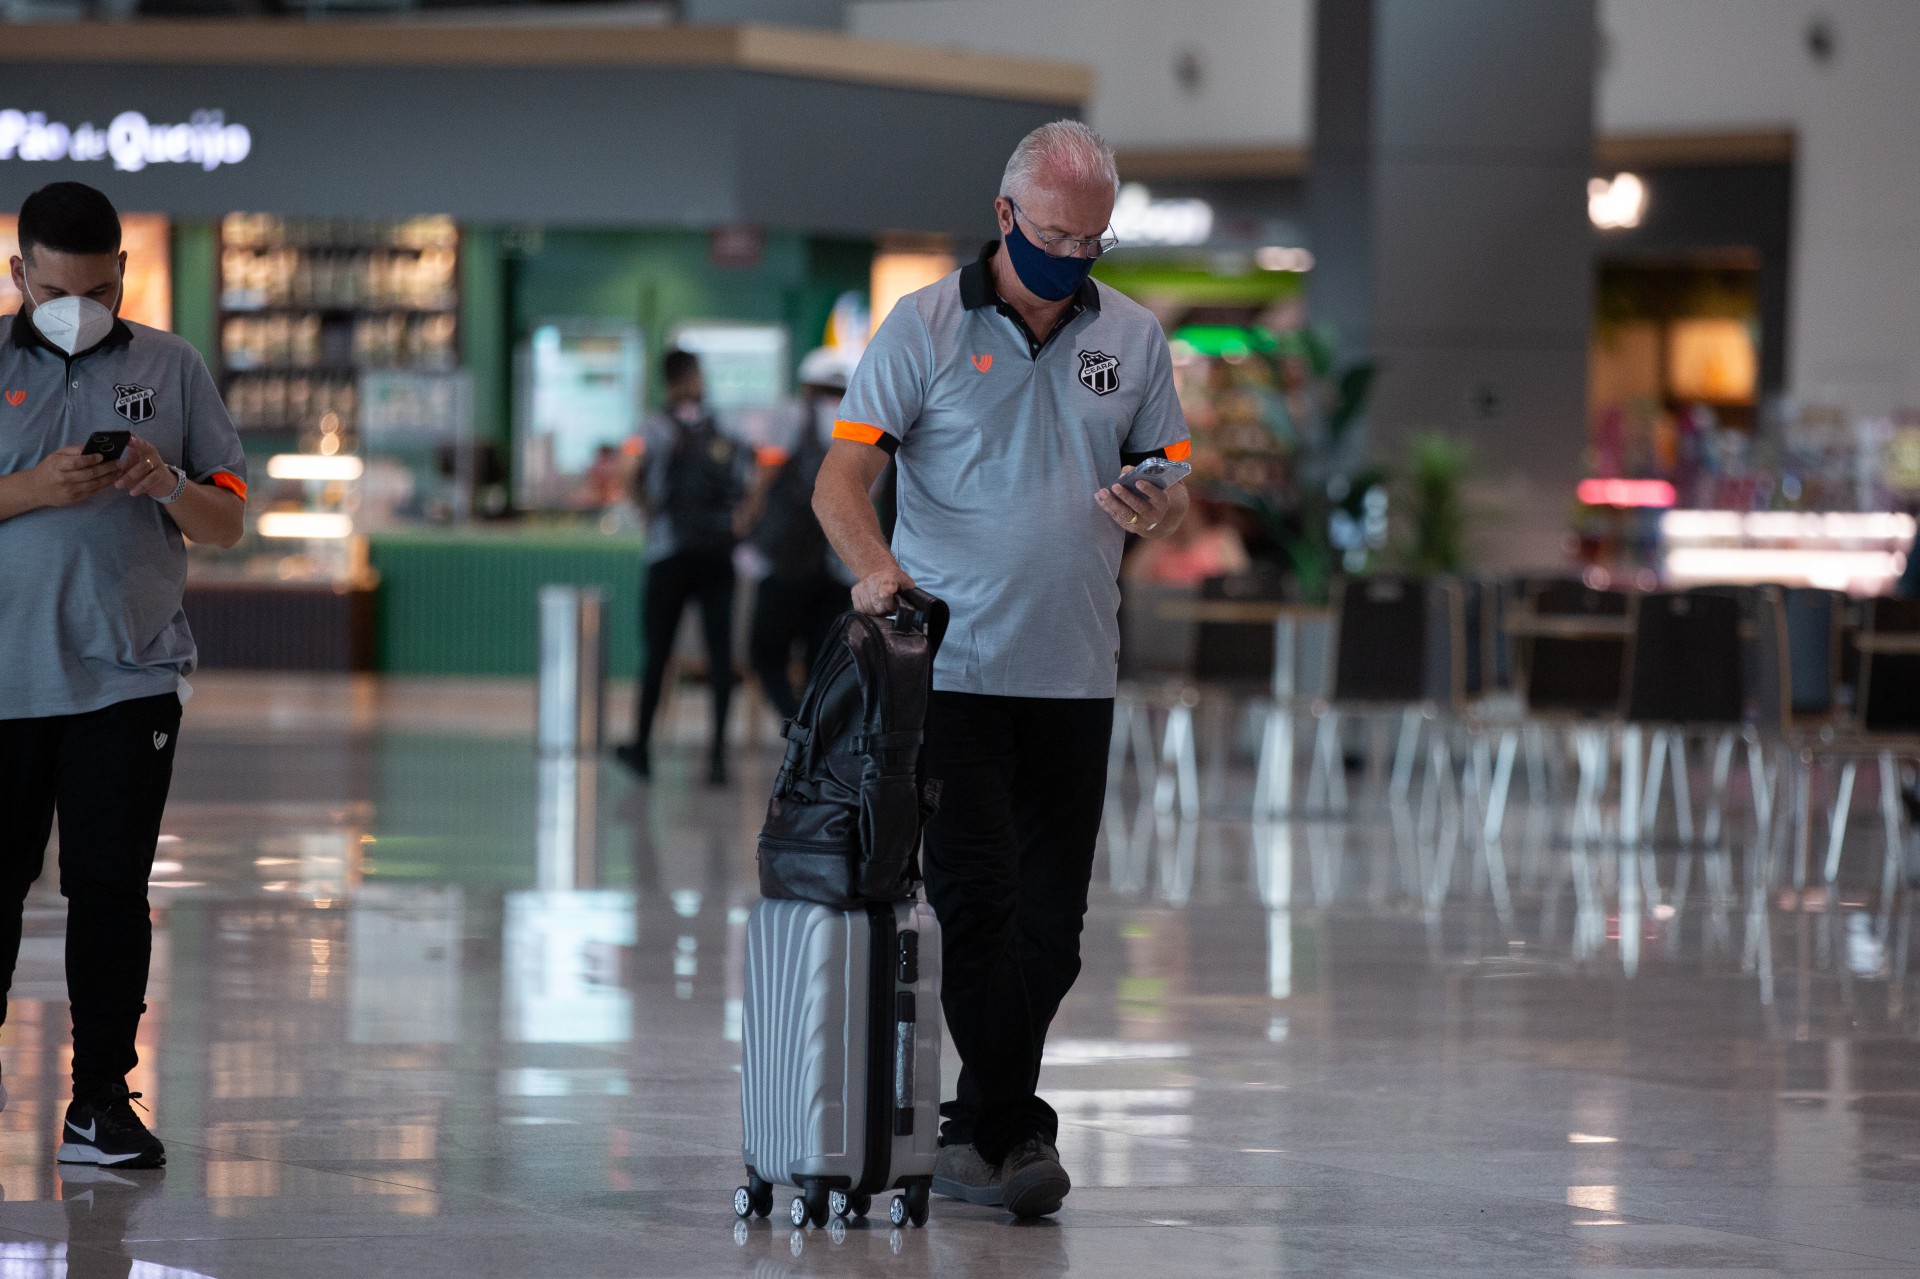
{"x":307,"y":305}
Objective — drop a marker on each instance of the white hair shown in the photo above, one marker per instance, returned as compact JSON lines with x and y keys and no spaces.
{"x":1064,"y":153}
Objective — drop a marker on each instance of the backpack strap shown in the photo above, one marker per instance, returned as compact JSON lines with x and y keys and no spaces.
{"x":873,"y":743}
{"x":918,"y":611}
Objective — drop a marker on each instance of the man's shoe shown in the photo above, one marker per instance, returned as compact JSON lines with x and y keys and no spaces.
{"x":960,"y":1173}
{"x":634,"y":756}
{"x":1032,"y":1182}
{"x":102,"y":1128}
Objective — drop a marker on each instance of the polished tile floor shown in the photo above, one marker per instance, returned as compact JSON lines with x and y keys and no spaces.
{"x":420,"y":1007}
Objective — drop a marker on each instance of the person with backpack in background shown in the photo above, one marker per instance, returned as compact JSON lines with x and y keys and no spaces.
{"x":691,"y":482}
{"x":806,"y":586}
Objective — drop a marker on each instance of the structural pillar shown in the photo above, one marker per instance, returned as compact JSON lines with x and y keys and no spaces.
{"x":1452,"y":144}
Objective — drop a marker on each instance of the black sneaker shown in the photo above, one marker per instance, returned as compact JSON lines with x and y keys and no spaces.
{"x":102,"y":1128}
{"x":634,"y":756}
{"x":1032,"y":1182}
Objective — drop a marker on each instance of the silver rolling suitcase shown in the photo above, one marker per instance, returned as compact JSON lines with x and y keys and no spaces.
{"x":840,"y":1068}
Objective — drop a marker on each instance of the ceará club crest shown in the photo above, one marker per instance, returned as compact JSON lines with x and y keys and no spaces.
{"x":1099,"y":372}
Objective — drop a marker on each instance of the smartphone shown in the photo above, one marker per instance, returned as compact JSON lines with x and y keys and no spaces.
{"x":1156,"y":471}
{"x":107,"y":444}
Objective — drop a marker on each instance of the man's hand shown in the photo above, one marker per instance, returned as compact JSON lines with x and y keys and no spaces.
{"x":67,"y":476}
{"x":1147,"y":513}
{"x":875,"y":593}
{"x":143,"y":472}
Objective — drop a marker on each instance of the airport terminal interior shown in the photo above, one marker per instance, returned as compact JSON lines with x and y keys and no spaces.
{"x":1508,"y":844}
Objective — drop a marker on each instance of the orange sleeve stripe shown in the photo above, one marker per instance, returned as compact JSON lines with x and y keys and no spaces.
{"x":231,"y":483}
{"x":1180,"y":452}
{"x":858,"y":432}
{"x":768,"y":456}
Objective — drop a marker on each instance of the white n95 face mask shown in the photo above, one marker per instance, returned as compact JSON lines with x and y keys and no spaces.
{"x":71,"y":323}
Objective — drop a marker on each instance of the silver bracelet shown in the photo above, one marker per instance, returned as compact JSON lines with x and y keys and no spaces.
{"x":178,"y":488}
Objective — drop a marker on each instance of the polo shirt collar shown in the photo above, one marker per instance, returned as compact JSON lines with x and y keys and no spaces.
{"x":976,"y":284}
{"x":22,"y":334}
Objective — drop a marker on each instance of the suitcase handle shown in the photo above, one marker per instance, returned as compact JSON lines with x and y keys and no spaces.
{"x":915,"y":610}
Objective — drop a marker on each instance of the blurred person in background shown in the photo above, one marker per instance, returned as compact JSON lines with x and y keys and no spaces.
{"x":1012,"y":395}
{"x":805,"y":588}
{"x":93,"y":568}
{"x":690,"y":482}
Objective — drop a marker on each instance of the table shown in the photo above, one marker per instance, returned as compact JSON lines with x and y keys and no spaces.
{"x":1576,"y":626}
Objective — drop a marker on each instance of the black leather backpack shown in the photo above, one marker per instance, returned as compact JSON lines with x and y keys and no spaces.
{"x":849,"y":804}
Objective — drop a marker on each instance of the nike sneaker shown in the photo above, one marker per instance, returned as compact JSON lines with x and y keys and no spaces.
{"x":102,"y":1128}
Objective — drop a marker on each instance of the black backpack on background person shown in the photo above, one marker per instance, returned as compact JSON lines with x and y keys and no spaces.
{"x":849,"y":804}
{"x":789,"y":534}
{"x":702,"y":487}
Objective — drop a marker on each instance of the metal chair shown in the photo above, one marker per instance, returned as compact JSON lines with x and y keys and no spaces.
{"x":1570,"y":652}
{"x":1687,"y":673}
{"x":1396,"y":647}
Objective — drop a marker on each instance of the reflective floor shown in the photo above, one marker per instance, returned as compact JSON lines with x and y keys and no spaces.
{"x":414,"y":1012}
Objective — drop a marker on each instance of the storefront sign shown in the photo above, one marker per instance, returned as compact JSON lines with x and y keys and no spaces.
{"x":1139,"y":219}
{"x":130,"y":140}
{"x":738,"y":246}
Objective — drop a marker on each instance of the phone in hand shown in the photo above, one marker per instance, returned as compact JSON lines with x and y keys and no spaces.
{"x":1156,"y":471}
{"x":107,"y":445}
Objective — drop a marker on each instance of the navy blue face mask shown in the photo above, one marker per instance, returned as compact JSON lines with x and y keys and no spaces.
{"x":1048,"y":278}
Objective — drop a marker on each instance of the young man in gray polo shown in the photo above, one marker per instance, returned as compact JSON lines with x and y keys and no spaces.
{"x":1012,"y":395}
{"x":96,"y":647}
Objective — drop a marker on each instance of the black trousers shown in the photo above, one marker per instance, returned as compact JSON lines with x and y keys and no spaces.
{"x":1008,"y":858}
{"x":789,"y":610}
{"x":672,"y":584}
{"x":106,"y":774}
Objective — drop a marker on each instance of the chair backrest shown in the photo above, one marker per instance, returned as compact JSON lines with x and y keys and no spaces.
{"x":1770,"y":649}
{"x":1500,"y":598}
{"x":1747,"y":597}
{"x":1812,"y":618}
{"x":1396,"y":641}
{"x":1890,"y":682}
{"x":1237,"y":653}
{"x":1685,"y":666}
{"x":1566,"y":676}
{"x":1476,"y":650}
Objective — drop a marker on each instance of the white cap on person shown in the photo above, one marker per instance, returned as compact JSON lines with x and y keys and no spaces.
{"x":825,"y":366}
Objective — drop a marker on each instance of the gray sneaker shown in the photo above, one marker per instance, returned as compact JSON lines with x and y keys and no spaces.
{"x":1032,"y":1182}
{"x":960,"y":1173}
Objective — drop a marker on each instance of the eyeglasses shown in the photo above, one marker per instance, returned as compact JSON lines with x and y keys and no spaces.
{"x":1068,"y":246}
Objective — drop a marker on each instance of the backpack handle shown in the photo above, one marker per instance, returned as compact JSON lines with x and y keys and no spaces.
{"x":915,"y":610}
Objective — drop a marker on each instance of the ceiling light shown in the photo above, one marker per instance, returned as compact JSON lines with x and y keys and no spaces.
{"x":1618,"y":203}
{"x":314,"y":466}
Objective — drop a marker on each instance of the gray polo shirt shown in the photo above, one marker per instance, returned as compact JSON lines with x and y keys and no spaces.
{"x":90,"y":594}
{"x":1002,"y":438}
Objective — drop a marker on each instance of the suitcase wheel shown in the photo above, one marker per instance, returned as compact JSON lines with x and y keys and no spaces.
{"x":839,"y":1204}
{"x":742,"y":1202}
{"x":918,"y":1196}
{"x":862,"y":1205}
{"x":755,"y":1199}
{"x":809,"y":1207}
{"x":897,"y":1210}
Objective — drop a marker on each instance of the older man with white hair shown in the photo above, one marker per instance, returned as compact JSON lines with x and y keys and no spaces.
{"x":1013,"y":395}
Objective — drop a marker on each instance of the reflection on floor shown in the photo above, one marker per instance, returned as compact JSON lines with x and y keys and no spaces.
{"x":421,"y":1007}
